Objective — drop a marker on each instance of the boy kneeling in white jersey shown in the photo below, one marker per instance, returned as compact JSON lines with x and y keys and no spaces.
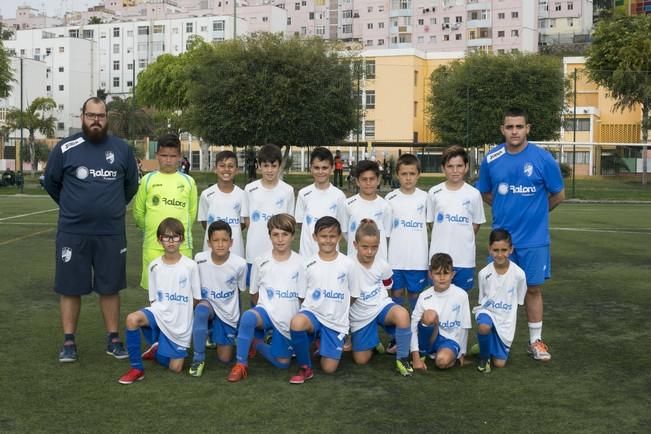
{"x":372,"y":279}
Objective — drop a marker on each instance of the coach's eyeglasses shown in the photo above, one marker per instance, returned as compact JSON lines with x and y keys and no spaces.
{"x":170,"y":238}
{"x":95,"y":116}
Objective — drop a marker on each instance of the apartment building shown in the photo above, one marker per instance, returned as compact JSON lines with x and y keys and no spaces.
{"x":564,"y":21}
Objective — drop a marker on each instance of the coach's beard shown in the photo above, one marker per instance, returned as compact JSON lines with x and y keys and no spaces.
{"x":93,"y":133}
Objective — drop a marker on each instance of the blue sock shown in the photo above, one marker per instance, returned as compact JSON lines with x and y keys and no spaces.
{"x":200,"y":331}
{"x":403,"y":341}
{"x":484,"y":346}
{"x":301,"y":344}
{"x":265,"y":350}
{"x":412,"y":303}
{"x":163,"y":360}
{"x":425,"y":334}
{"x":133,"y":347}
{"x":245,"y":336}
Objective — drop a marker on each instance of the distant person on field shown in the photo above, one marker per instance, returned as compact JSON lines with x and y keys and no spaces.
{"x":174,"y":288}
{"x":339,"y":170}
{"x":92,"y":177}
{"x":185,"y":165}
{"x":164,"y":193}
{"x":318,"y":199}
{"x":523,"y":183}
{"x":441,"y":319}
{"x":456,"y":211}
{"x":502,"y":287}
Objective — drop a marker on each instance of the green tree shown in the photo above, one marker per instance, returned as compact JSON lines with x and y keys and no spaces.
{"x":41,"y":152}
{"x":6,"y":74}
{"x":469,"y":97}
{"x":36,"y":117}
{"x":619,"y":59}
{"x":127,"y":120}
{"x":95,"y":20}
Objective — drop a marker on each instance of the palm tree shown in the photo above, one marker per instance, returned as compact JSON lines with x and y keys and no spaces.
{"x":35,"y":118}
{"x":128,"y":121}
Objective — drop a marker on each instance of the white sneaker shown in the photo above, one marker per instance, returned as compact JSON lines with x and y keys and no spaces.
{"x":538,"y":351}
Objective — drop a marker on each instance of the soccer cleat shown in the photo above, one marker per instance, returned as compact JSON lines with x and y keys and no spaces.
{"x":210,"y":344}
{"x":150,"y":354}
{"x":379,"y":348}
{"x":348,"y":344}
{"x":538,"y":350}
{"x":132,"y":376}
{"x":484,"y":366}
{"x":404,"y":368}
{"x":304,"y":374}
{"x":252,"y":349}
{"x":238,"y":373}
{"x":474,"y":350}
{"x":117,"y":350}
{"x":196,"y":370}
{"x":392,"y":348}
{"x":68,"y":353}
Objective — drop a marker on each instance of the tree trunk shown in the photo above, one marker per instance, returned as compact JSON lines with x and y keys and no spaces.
{"x":32,"y":153}
{"x":283,"y":164}
{"x":205,"y":156}
{"x":645,"y":137}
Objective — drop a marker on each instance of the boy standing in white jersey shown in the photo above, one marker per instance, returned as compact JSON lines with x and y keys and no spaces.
{"x":367,"y":204}
{"x":317,"y":200}
{"x":325,"y":310}
{"x":457,"y":210}
{"x":223,"y":276}
{"x":277,"y":287}
{"x":408,"y":243}
{"x":265,"y":197}
{"x":224,"y":201}
{"x":167,"y":323}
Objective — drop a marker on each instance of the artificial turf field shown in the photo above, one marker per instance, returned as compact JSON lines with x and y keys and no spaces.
{"x":596,"y":319}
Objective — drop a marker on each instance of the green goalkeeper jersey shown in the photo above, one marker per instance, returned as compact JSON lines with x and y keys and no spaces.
{"x":162,"y":195}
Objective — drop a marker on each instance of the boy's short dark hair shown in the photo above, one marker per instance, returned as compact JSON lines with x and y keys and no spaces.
{"x":219,"y":225}
{"x":407,"y":160}
{"x":284,"y":222}
{"x":169,"y":141}
{"x":365,"y":166}
{"x":454,"y":151}
{"x":225,"y":155}
{"x":441,"y":261}
{"x":171,"y":225}
{"x":367,"y":228}
{"x":270,"y":154}
{"x":323,"y":154}
{"x":327,"y":222}
{"x":514,"y":112}
{"x":500,"y":234}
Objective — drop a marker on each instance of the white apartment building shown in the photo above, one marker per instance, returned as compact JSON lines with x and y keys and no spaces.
{"x":563,"y":21}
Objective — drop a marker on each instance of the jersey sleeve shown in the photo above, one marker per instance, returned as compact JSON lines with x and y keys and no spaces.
{"x":202,"y":213}
{"x":152,"y":282}
{"x":341,"y":209}
{"x":140,"y":202}
{"x":416,"y":315}
{"x":484,"y":184}
{"x":478,"y":215}
{"x":193,"y":200}
{"x":301,"y":283}
{"x":290,"y":200}
{"x":345,"y":217}
{"x":299,"y":213}
{"x":521,"y":286}
{"x":241,"y":276}
{"x":353,"y":284}
{"x":53,"y":176}
{"x":552,"y":174}
{"x":255,"y":277}
{"x":196,"y":280}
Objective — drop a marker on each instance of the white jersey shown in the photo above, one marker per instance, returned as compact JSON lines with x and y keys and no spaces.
{"x":279,"y":285}
{"x":453,"y":212}
{"x":328,"y":291}
{"x":220,"y":285}
{"x":229,"y":207}
{"x":453,"y":311}
{"x":172,"y":291}
{"x":408,"y":243}
{"x":312,"y":203}
{"x":357,"y":209}
{"x":499,"y":297}
{"x":373,"y":295}
{"x":262,"y":204}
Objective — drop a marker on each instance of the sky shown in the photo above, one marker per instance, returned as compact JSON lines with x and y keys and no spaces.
{"x":53,"y":7}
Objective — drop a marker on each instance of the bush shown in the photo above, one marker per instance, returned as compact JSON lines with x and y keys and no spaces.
{"x":566,"y":170}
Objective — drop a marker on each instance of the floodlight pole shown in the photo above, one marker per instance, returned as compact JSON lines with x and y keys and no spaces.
{"x":574,"y":144}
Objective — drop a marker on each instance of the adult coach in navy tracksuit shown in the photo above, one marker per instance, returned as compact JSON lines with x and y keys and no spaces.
{"x":92,"y":177}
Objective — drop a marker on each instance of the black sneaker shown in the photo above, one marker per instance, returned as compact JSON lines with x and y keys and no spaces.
{"x":117,"y":350}
{"x":68,"y":353}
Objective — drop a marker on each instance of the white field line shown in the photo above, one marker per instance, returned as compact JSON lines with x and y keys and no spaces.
{"x":33,"y":234}
{"x":604,"y":231}
{"x":27,"y":215}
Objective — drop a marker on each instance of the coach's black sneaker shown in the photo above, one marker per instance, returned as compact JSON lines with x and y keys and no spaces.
{"x":68,"y":353}
{"x":117,"y":350}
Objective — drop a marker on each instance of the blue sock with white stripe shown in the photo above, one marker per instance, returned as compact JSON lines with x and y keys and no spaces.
{"x":403,"y":340}
{"x":133,"y":347}
{"x":245,"y":336}
{"x":301,"y":344}
{"x":484,"y":346}
{"x":200,"y":331}
{"x":265,"y":350}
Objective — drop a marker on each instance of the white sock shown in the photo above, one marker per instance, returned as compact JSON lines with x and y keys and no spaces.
{"x":535,"y":331}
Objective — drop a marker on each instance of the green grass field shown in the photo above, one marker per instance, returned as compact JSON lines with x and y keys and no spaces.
{"x":598,"y":380}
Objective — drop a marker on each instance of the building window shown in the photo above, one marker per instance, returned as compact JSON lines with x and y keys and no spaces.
{"x":60,"y":107}
{"x":116,"y":48}
{"x":116,"y":32}
{"x":311,"y":16}
{"x":143,"y":30}
{"x":369,"y":26}
{"x":369,"y":128}
{"x":347,"y":28}
{"x":265,"y":19}
{"x":370,"y":69}
{"x":415,"y":108}
{"x":88,"y":34}
{"x":570,"y":6}
{"x":432,"y":39}
{"x":457,"y":36}
{"x":370,"y":99}
{"x":61,"y":69}
{"x":116,"y":81}
{"x":61,"y":50}
{"x":380,"y":25}
{"x":159,"y":29}
{"x":61,"y":87}
{"x":116,"y":65}
{"x":501,"y":16}
{"x":320,"y":30}
{"x":142,"y":63}
{"x":415,"y":78}
{"x":500,"y":33}
{"x":48,"y":88}
{"x":297,"y":6}
{"x":458,"y":19}
{"x":48,"y":51}
{"x":432,"y":20}
{"x":369,"y":42}
{"x":581,"y":125}
{"x":446,"y":37}
{"x":515,"y":33}
{"x":188,"y":28}
{"x":347,"y":14}
{"x":129,"y":83}
{"x":289,"y":21}
{"x":218,"y":26}
{"x":380,"y":41}
{"x":129,"y":66}
{"x":557,"y":6}
{"x":129,"y":33}
{"x":515,"y":14}
{"x":61,"y":126}
{"x":420,"y":39}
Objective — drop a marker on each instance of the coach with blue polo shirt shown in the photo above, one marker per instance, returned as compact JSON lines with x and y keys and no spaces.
{"x":92,"y":176}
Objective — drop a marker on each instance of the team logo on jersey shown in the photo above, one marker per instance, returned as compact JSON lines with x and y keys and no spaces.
{"x":110,"y":156}
{"x":159,"y":295}
{"x":353,"y":227}
{"x":456,"y":308}
{"x":420,"y":209}
{"x":204,"y":292}
{"x":155,"y":200}
{"x":503,"y":188}
{"x":255,"y":216}
{"x":333,"y":208}
{"x":295,"y":276}
{"x":341,"y":277}
{"x":396,"y":223}
{"x":280,"y":203}
{"x":231,"y":281}
{"x":183,"y":281}
{"x":237,"y":207}
{"x":270,"y":293}
{"x":308,"y":219}
{"x":81,"y":172}
{"x":180,"y":187}
{"x":66,"y":254}
{"x":316,"y":294}
{"x":511,"y":291}
{"x":466,"y":205}
{"x":451,"y":218}
{"x":211,"y":219}
{"x":495,"y":155}
{"x":528,"y":169}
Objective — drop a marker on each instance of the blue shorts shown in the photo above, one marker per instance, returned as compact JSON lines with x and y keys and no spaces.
{"x":536,"y":263}
{"x":413,"y":280}
{"x":496,"y":347}
{"x":222,"y":333}
{"x":332,"y":342}
{"x":367,"y":338}
{"x":464,"y":278}
{"x":86,"y":263}
{"x":153,"y":334}
{"x":425,"y":347}
{"x":281,"y":347}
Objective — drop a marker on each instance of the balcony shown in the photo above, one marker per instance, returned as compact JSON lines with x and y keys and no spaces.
{"x":477,"y":5}
{"x":480,"y":42}
{"x":473,"y":24}
{"x":400,"y":13}
{"x":401,"y":29}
